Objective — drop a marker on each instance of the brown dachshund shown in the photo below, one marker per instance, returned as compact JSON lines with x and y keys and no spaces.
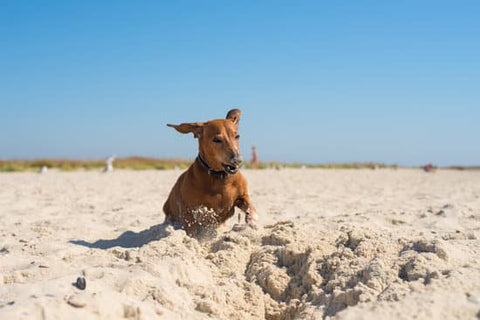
{"x":207,"y":193}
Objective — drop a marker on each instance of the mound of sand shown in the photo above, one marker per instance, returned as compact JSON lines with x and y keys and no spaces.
{"x":276,"y":272}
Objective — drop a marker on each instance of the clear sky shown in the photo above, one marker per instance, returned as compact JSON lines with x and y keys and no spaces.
{"x":318,"y":81}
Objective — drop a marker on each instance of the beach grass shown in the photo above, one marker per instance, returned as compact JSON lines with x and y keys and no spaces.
{"x":131,"y":163}
{"x":144,"y":163}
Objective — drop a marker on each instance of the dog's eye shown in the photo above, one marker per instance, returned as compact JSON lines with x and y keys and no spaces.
{"x":217,"y":140}
{"x":237,"y":137}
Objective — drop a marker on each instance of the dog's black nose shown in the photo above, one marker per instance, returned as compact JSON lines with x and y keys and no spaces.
{"x":236,"y":159}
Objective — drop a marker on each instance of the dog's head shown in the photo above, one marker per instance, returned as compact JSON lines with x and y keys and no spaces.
{"x":218,"y":141}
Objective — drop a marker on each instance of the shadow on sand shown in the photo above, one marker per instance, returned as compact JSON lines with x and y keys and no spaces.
{"x":129,"y":239}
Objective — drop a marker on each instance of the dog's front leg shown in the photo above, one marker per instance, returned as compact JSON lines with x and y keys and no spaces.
{"x":243,"y":202}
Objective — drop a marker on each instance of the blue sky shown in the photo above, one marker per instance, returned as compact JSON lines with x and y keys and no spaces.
{"x":318,"y":81}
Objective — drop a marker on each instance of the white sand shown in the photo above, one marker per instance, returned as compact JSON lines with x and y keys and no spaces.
{"x":346,"y":244}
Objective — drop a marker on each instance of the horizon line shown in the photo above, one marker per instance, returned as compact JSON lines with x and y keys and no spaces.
{"x":184,"y":160}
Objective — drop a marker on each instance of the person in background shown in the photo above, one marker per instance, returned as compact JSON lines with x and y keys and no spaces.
{"x":254,"y":162}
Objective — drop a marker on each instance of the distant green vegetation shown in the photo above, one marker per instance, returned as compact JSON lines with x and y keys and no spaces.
{"x":141,"y":163}
{"x":132,"y":163}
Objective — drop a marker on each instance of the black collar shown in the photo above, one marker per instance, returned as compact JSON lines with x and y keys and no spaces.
{"x":215,"y":174}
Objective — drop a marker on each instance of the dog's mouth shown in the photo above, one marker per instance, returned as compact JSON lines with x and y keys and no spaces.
{"x":230,"y":168}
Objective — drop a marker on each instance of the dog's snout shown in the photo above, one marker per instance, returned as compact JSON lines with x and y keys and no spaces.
{"x":236,"y":159}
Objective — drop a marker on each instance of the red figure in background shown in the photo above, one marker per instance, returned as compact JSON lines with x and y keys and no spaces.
{"x":254,"y":162}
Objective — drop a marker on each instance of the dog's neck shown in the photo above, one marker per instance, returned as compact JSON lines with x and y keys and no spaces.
{"x":214,"y":174}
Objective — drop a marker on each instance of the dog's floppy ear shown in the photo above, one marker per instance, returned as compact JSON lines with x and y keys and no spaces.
{"x":195,"y":128}
{"x":234,"y":115}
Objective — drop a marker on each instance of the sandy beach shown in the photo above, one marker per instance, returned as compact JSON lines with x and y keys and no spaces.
{"x":330,"y":244}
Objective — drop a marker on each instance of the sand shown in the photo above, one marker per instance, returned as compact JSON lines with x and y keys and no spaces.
{"x":330,"y":244}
